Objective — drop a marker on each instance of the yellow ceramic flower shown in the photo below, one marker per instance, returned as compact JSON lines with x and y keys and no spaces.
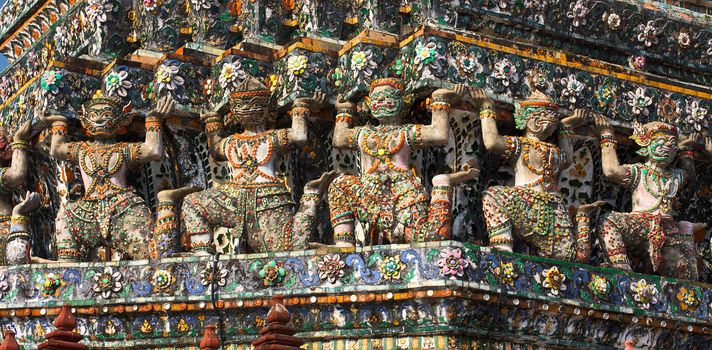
{"x":391,"y":267}
{"x":296,"y":65}
{"x":506,"y":273}
{"x":687,"y":298}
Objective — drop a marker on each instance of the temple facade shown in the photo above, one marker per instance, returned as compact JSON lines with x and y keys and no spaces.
{"x":405,"y":174}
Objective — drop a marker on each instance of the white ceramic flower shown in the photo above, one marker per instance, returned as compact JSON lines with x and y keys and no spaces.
{"x":638,"y":101}
{"x":207,"y":277}
{"x":117,"y":82}
{"x":425,"y":53}
{"x":572,"y":88}
{"x":648,"y":33}
{"x":577,"y":12}
{"x":553,"y":280}
{"x":201,"y":4}
{"x":96,"y":10}
{"x":331,"y":268}
{"x":108,"y":283}
{"x":613,"y":20}
{"x":696,"y":115}
{"x":469,"y":65}
{"x":636,"y":62}
{"x":644,"y":294}
{"x":167,"y":77}
{"x":505,"y":71}
{"x":231,"y":75}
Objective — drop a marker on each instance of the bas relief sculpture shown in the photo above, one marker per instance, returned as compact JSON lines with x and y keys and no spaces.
{"x":385,"y":203}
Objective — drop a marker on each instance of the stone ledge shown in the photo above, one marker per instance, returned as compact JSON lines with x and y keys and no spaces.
{"x":159,"y":302}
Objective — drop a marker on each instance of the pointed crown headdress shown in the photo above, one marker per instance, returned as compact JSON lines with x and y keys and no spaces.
{"x":536,"y":101}
{"x":644,"y":133}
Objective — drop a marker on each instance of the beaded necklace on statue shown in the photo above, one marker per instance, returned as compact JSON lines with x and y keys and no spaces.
{"x":665,"y":188}
{"x":112,"y":159}
{"x":242,"y":151}
{"x":382,"y":143}
{"x":550,"y":158}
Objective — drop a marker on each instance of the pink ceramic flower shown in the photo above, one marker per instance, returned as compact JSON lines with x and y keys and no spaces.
{"x":451,"y":262}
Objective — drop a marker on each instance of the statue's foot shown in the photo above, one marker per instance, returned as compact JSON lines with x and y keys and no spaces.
{"x":338,"y":244}
{"x":469,"y":172}
{"x":504,"y":248}
{"x":177,"y":194}
{"x":624,"y":267}
{"x":320,"y":185}
{"x":186,"y":254}
{"x":38,"y":260}
{"x":590,"y":208}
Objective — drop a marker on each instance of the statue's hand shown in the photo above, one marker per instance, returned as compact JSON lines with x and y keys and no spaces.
{"x":581,"y":116}
{"x":164,"y":107}
{"x":691,"y":141}
{"x":479,"y":98}
{"x":28,"y":204}
{"x":207,"y":116}
{"x":603,"y":125}
{"x":469,"y":171}
{"x":48,"y":120}
{"x":24,"y":132}
{"x":458,"y":93}
{"x":320,"y":185}
{"x":708,"y":144}
{"x":344,"y":104}
{"x":317,"y":100}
